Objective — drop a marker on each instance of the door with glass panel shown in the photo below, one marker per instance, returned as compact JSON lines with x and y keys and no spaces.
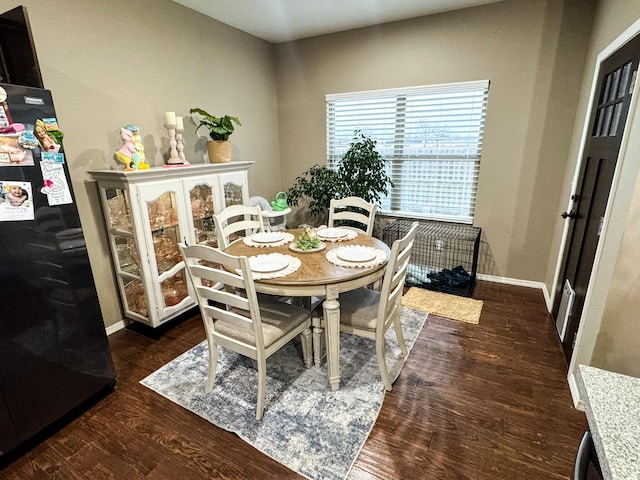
{"x":589,"y":202}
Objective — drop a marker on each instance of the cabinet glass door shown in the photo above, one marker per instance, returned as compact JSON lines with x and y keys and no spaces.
{"x":234,"y":188}
{"x":165,"y":227}
{"x":126,"y":257}
{"x":202,"y":210}
{"x":119,"y":210}
{"x":136,"y":297}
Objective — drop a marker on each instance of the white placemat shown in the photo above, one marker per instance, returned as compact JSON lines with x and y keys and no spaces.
{"x":351,"y":234}
{"x":294,"y":264}
{"x":332,"y":256}
{"x":250,"y":243}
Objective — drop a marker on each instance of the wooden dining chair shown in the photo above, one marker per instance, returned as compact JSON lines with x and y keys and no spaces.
{"x":235,"y":319}
{"x":349,"y":210}
{"x":369,"y":313}
{"x":237,"y":218}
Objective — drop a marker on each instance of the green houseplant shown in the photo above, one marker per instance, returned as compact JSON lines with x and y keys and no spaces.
{"x":360,"y":173}
{"x":220,"y":128}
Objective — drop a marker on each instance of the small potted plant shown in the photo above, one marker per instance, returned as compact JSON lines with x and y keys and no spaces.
{"x":220,"y":128}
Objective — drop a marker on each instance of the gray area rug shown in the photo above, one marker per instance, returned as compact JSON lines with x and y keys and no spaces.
{"x":307,"y":427}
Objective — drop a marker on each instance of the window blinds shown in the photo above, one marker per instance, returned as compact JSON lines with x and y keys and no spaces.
{"x":431,"y":136}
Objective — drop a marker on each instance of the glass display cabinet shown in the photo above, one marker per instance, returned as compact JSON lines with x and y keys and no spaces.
{"x":147,"y":214}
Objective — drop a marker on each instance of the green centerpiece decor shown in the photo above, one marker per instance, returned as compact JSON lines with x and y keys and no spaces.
{"x":306,"y":239}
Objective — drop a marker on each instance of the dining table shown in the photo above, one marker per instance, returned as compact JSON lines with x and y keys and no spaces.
{"x":325,"y":271}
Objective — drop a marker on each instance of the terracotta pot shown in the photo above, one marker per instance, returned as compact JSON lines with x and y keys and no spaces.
{"x":219,"y":151}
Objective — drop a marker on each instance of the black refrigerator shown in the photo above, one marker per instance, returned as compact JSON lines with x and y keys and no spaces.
{"x":54,"y":354}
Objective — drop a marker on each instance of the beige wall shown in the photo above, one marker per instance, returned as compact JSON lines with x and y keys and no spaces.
{"x":610,"y":332}
{"x":117,"y":62}
{"x":532,"y":51}
{"x":617,"y":345}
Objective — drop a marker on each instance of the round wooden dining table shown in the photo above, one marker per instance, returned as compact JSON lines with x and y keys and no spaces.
{"x":317,"y":276}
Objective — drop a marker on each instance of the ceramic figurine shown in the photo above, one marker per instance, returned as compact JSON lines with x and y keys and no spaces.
{"x":131,"y":154}
{"x":127,"y":154}
{"x":137,"y":141}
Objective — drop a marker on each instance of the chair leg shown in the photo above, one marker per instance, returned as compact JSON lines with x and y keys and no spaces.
{"x":305,"y":338}
{"x":262,"y":384}
{"x":213,"y":365}
{"x":397,"y":324}
{"x":382,"y":363}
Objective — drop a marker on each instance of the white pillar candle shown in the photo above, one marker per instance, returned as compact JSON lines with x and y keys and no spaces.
{"x":171,"y":118}
{"x":179,"y":124}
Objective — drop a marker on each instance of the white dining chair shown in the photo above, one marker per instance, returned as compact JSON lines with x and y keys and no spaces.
{"x":345,"y":211}
{"x":369,"y":313}
{"x":237,"y":218}
{"x":235,"y":319}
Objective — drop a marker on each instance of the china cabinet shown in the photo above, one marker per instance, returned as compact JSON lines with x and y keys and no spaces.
{"x":147,"y":213}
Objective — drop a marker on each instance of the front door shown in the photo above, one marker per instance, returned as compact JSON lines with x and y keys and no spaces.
{"x":608,"y":118}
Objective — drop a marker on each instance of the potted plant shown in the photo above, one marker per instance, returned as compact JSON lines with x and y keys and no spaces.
{"x":360,"y":173}
{"x":220,"y":128}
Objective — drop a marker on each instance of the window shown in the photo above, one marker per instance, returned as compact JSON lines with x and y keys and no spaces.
{"x":431,"y":137}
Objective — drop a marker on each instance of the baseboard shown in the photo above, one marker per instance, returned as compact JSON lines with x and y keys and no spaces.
{"x":578,"y":403}
{"x":115,"y":327}
{"x":520,"y":283}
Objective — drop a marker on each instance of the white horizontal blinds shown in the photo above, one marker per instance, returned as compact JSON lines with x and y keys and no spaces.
{"x":431,"y":136}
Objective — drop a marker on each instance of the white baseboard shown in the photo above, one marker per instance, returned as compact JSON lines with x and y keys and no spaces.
{"x":578,"y":403}
{"x":115,"y":327}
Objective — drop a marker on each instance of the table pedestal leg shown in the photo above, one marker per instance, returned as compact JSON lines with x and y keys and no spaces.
{"x":318,"y":340}
{"x":331,"y":308}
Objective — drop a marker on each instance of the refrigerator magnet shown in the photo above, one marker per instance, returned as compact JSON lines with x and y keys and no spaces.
{"x":55,"y":184}
{"x":47,"y":186}
{"x":52,"y":157}
{"x":28,"y":140}
{"x":16,"y":201}
{"x":12,"y":154}
{"x":48,"y":139}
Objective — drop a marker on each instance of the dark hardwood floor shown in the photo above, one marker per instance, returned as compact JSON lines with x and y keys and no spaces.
{"x":487,"y":401}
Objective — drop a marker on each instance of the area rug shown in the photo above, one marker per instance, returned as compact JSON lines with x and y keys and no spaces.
{"x":307,"y":427}
{"x":443,"y":304}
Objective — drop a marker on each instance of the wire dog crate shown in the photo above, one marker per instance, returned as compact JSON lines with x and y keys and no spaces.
{"x":444,"y":256}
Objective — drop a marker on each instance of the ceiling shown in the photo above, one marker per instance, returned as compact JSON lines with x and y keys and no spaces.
{"x":284,"y":20}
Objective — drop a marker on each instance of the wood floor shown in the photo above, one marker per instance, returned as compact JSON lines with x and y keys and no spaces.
{"x":487,"y":401}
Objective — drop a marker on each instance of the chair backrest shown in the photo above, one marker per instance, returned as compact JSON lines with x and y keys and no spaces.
{"x":226,"y":293}
{"x":352,"y":209}
{"x":236,"y":218}
{"x":394,"y":276}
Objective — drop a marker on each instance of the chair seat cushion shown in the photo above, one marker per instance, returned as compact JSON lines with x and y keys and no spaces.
{"x":278,"y":319}
{"x":359,"y":308}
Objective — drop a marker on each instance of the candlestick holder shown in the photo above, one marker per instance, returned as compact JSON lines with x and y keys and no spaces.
{"x":174,"y":157}
{"x":180,"y":146}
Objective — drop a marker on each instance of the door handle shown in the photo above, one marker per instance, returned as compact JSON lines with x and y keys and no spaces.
{"x":571,"y":214}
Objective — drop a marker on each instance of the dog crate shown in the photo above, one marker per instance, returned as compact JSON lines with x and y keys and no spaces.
{"x":444,"y":256}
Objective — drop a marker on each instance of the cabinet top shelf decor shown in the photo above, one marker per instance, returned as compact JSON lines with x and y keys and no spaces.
{"x":159,"y":173}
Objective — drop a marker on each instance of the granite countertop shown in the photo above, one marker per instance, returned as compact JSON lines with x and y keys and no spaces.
{"x":612,"y":402}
